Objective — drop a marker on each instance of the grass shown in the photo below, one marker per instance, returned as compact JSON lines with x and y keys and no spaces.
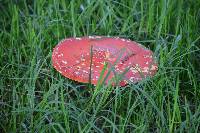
{"x":36,"y":98}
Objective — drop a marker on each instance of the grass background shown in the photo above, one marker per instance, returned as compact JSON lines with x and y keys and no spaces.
{"x":36,"y":98}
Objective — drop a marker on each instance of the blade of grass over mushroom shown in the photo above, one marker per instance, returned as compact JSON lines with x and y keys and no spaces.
{"x":118,"y":77}
{"x":91,"y":61}
{"x":101,"y":78}
{"x":112,"y":68}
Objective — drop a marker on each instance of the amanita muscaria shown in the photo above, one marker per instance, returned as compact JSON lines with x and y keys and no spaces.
{"x":72,"y":58}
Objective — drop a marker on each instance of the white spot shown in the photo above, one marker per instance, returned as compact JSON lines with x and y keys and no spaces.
{"x":123,"y":68}
{"x":97,"y":66}
{"x":60,"y":55}
{"x":154,"y":67}
{"x":116,"y":37}
{"x":103,"y":63}
{"x":59,"y":71}
{"x":147,"y":56}
{"x":96,"y":71}
{"x":77,"y":73}
{"x":132,"y":79}
{"x":78,"y":38}
{"x":117,"y":69}
{"x":82,"y":59}
{"x":78,"y":67}
{"x":65,"y":62}
{"x":82,"y":56}
{"x":99,"y":37}
{"x":133,"y":70}
{"x":123,"y":40}
{"x":91,"y":37}
{"x":77,"y":61}
{"x":85,"y":71}
{"x":145,"y":70}
{"x":56,"y":52}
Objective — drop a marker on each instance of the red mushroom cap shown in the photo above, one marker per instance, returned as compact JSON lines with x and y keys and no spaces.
{"x":72,"y":58}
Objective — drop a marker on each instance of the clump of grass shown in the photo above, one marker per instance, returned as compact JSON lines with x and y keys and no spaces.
{"x":36,"y":98}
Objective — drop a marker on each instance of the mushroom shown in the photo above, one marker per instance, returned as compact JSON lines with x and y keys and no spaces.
{"x":76,"y":57}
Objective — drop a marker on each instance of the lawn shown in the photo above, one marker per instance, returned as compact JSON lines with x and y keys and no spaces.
{"x":34,"y":97}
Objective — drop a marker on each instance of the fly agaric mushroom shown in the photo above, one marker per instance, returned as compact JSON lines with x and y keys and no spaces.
{"x":74,"y":58}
